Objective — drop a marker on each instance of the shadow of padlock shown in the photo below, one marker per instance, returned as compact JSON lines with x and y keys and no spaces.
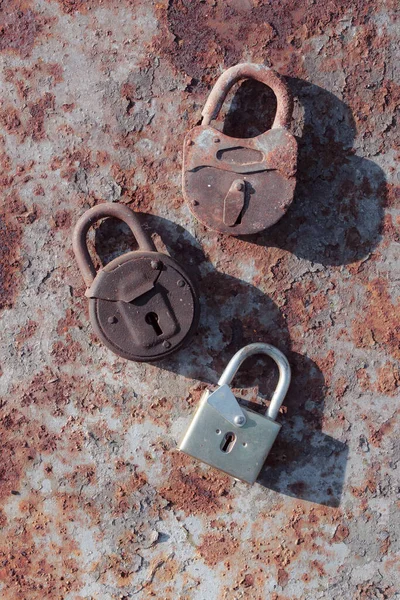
{"x":234,"y":185}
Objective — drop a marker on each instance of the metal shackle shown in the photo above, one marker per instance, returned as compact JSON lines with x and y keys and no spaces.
{"x":89,"y":218}
{"x":272,"y":79}
{"x":283,"y":366}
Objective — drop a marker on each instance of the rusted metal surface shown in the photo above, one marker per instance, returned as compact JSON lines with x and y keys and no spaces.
{"x":96,"y":502}
{"x":241,"y":186}
{"x":142,"y":305}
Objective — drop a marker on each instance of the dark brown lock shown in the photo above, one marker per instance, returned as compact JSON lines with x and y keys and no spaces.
{"x":234,"y":185}
{"x":142,"y":305}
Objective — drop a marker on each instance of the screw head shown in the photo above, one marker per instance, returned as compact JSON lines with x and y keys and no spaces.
{"x":156,"y":265}
{"x":112,"y":320}
{"x":217,"y":140}
{"x":239,"y":186}
{"x":180,"y":283}
{"x":240,"y":420}
{"x":167,"y":344}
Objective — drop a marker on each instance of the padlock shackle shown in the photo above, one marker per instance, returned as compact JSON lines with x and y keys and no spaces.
{"x":269,"y":77}
{"x":89,"y":218}
{"x":283,"y":366}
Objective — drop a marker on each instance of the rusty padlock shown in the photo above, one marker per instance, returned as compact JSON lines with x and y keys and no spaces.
{"x":142,"y":305}
{"x":234,"y":185}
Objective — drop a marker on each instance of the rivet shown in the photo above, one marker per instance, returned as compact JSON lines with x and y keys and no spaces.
{"x":190,"y":142}
{"x":217,"y":140}
{"x":112,"y":320}
{"x":239,"y":186}
{"x":167,"y":344}
{"x":180,"y":283}
{"x":156,"y":265}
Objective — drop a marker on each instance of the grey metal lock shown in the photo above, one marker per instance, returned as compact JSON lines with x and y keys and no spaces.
{"x":228,"y":437}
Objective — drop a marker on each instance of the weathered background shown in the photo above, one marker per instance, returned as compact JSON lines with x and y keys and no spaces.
{"x":96,"y":503}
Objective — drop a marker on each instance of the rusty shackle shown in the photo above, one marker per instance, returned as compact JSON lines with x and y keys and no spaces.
{"x":89,"y":218}
{"x":269,"y":77}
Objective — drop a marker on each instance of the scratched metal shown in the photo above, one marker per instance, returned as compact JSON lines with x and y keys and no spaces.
{"x":96,"y":503}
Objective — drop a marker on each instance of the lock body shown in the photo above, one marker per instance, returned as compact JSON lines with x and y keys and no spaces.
{"x":242,"y":456}
{"x":241,"y":186}
{"x":143,"y":306}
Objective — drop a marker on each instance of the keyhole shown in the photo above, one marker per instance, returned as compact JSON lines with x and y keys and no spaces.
{"x":228,"y":442}
{"x":152,"y":319}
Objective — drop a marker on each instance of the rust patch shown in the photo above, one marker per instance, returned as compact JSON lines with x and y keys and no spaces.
{"x":62,"y":219}
{"x":26,"y":332}
{"x":10,"y":240}
{"x":17,"y":455}
{"x":85,"y":6}
{"x":67,"y":352}
{"x":378,"y":325}
{"x":388,"y":379}
{"x":378,"y":435}
{"x":341,"y":533}
{"x":215,"y":548}
{"x":195,"y":491}
{"x":38,"y":111}
{"x":19,"y":28}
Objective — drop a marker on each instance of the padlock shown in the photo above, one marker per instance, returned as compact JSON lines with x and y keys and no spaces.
{"x":229,"y":437}
{"x":142,"y":305}
{"x":234,"y":185}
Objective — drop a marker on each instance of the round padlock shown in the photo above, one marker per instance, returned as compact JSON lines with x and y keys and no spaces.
{"x":142,"y":305}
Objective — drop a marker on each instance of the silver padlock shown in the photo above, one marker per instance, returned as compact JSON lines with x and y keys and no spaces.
{"x":228,"y":437}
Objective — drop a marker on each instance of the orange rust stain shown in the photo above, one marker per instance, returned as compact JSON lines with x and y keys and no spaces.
{"x":26,"y":332}
{"x":22,"y":439}
{"x":378,"y":435}
{"x":388,"y":379}
{"x":327,"y":365}
{"x":341,"y":533}
{"x":62,"y":219}
{"x":364,"y":380}
{"x":66,"y":353}
{"x":19,"y":28}
{"x":392,"y":196}
{"x":215,"y":548}
{"x":70,"y":320}
{"x":10,"y":239}
{"x":380,"y":321}
{"x":341,"y":386}
{"x":195,"y":491}
{"x":283,"y":577}
{"x":384,"y":547}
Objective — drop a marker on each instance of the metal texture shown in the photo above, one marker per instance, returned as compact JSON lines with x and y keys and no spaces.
{"x":246,"y":453}
{"x":142,"y":305}
{"x":224,"y":401}
{"x":266,"y":163}
{"x":96,"y":502}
